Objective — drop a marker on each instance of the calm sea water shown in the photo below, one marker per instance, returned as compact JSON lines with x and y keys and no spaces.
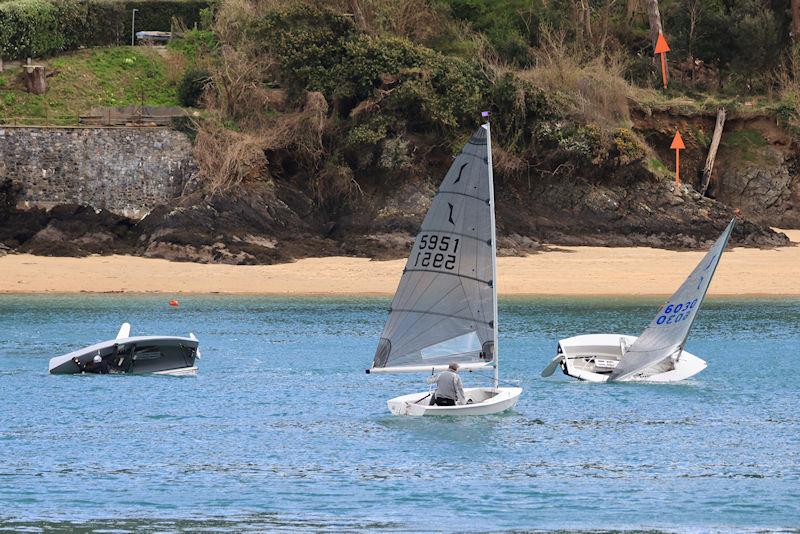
{"x":283,"y":430}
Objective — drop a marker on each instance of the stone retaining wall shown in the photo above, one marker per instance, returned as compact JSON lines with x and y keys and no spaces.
{"x":128,"y":171}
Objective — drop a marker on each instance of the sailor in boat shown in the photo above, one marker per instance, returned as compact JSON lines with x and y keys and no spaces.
{"x":96,"y":366}
{"x":449,"y":389}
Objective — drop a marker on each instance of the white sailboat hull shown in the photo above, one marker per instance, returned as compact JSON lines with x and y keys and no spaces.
{"x":480,"y":401}
{"x":183,"y":371}
{"x":592,"y":357}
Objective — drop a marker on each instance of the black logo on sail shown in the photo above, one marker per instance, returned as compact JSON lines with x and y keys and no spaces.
{"x":450,"y":217}
{"x":459,"y":173}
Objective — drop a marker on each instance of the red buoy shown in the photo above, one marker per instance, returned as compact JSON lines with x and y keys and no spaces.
{"x":173,"y":303}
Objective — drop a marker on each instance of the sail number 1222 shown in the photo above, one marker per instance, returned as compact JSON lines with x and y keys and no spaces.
{"x":437,"y":251}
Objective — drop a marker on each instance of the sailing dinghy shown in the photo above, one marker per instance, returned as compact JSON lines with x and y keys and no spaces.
{"x":162,"y":355}
{"x":445,"y":307}
{"x":657,"y":355}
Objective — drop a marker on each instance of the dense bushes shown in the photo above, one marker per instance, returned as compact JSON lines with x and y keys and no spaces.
{"x":33,"y":28}
{"x":191,"y":87}
{"x":364,"y":74}
{"x":29,"y":27}
{"x":744,"y":38}
{"x":742,"y":41}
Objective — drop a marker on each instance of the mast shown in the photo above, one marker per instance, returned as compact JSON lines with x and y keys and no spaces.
{"x":444,"y":309}
{"x":495,"y":346}
{"x":727,"y":231}
{"x":667,"y":333}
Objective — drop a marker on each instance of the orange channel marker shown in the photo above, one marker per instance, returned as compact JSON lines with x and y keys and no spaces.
{"x":662,"y":48}
{"x":677,"y":145}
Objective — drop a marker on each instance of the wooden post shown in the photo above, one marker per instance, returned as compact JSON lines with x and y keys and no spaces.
{"x":712,"y":151}
{"x":35,"y":79}
{"x":1,"y":64}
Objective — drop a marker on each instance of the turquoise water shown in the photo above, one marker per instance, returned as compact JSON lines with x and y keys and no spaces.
{"x":283,"y":430}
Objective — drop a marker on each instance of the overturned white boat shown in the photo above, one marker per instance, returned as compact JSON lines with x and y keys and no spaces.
{"x":166,"y":355}
{"x":445,"y":308}
{"x":657,"y":355}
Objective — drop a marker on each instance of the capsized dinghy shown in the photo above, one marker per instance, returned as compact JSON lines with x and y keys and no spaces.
{"x":166,"y":355}
{"x":657,"y":355}
{"x":445,"y":308}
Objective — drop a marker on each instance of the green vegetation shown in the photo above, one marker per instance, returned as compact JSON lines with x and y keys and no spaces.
{"x":657,"y":166}
{"x":192,"y":85}
{"x":195,"y":45}
{"x":36,"y":28}
{"x":341,"y":90}
{"x":738,"y":43}
{"x":745,"y":143}
{"x":85,"y":79}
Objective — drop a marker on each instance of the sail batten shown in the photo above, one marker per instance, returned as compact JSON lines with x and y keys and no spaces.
{"x":443,"y":308}
{"x":668,"y":331}
{"x":452,"y":316}
{"x":487,"y":282}
{"x":474,"y":197}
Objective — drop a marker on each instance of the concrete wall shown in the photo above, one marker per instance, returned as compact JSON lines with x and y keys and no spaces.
{"x":125,"y":170}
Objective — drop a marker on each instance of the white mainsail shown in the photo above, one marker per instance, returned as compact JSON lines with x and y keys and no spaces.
{"x":669,"y":329}
{"x":445,"y":305}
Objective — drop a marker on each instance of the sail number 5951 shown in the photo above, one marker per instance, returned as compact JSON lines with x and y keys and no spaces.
{"x":437,"y":251}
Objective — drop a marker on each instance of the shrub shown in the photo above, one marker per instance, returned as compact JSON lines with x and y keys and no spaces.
{"x":517,"y":106}
{"x":191,"y":87}
{"x":310,"y":45}
{"x":371,"y":131}
{"x":592,"y":89}
{"x":34,"y":28}
{"x":321,"y":51}
{"x":104,"y":24}
{"x":30,"y":28}
{"x":741,"y":37}
{"x":627,"y":147}
{"x":511,"y":26}
{"x":394,"y":154}
{"x":195,"y":44}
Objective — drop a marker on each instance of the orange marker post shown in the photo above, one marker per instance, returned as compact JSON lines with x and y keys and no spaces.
{"x":662,"y":48}
{"x":677,"y":145}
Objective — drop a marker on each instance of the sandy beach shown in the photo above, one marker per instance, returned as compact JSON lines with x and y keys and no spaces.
{"x":569,"y":271}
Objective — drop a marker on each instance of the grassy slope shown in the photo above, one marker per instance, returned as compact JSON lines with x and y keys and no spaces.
{"x":115,"y":76}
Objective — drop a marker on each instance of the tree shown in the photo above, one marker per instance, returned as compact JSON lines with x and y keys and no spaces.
{"x":654,"y":18}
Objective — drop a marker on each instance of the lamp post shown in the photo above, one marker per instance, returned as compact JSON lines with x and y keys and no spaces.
{"x":133,"y":26}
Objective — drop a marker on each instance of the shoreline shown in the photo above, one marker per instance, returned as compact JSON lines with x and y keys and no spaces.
{"x":565,"y":272}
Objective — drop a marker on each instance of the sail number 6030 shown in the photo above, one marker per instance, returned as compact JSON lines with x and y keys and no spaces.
{"x":437,"y":251}
{"x":675,"y":313}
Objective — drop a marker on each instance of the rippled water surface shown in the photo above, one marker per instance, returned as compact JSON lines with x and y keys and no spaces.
{"x":282,"y":429}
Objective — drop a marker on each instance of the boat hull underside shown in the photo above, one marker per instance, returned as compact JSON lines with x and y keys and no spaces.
{"x":174,"y":356}
{"x":593,"y":357}
{"x":480,"y":401}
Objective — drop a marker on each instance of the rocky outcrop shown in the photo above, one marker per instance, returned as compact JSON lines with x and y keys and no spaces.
{"x":258,"y":223}
{"x":65,"y":230}
{"x":756,"y":170}
{"x":283,"y":218}
{"x":759,"y":174}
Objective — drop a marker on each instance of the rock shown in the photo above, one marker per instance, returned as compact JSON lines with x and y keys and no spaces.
{"x":765,"y":190}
